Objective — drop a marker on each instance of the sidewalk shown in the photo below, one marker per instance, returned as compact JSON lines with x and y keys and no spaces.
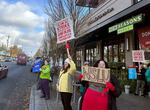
{"x":124,"y":102}
{"x":37,"y":103}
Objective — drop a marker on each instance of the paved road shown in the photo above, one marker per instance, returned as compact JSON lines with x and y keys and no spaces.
{"x":15,"y":89}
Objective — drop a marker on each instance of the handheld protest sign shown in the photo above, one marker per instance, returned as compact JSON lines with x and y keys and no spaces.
{"x":94,"y":74}
{"x":64,"y":30}
{"x":138,"y":56}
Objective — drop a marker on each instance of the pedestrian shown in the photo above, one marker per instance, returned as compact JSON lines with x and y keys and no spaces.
{"x":100,"y":97}
{"x":83,"y":83}
{"x":44,"y":80}
{"x":65,"y":80}
{"x":147,"y":74}
{"x":140,"y":87}
{"x":83,"y":87}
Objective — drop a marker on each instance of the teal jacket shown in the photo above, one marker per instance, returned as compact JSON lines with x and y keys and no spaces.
{"x":45,"y":72}
{"x":147,"y":74}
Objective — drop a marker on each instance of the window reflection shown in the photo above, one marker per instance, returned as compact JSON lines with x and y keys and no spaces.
{"x":91,"y":55}
{"x":114,"y":53}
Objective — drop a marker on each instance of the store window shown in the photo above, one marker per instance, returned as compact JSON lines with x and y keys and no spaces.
{"x":114,"y":50}
{"x":122,"y":52}
{"x":105,"y":53}
{"x":79,"y":55}
{"x":116,"y":56}
{"x":90,"y":54}
{"x":110,"y":53}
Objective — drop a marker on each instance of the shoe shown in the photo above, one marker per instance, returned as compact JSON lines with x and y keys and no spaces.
{"x":47,"y":98}
{"x":43,"y":96}
{"x":135,"y":94}
{"x":143,"y":95}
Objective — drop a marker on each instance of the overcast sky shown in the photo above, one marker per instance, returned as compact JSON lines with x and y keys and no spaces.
{"x":23,"y":21}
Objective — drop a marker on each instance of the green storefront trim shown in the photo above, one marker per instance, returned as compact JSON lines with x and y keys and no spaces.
{"x":126,"y":23}
{"x":125,"y":29}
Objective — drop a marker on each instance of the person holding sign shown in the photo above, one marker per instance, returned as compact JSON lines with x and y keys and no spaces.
{"x":64,"y":85}
{"x":44,"y":80}
{"x":99,"y":96}
{"x":140,"y":80}
{"x":84,"y":84}
{"x":147,"y":74}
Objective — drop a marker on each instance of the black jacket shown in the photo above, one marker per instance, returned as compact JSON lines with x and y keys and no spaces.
{"x":113,"y":95}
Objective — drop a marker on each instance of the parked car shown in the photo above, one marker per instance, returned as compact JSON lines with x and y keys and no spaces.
{"x":3,"y":71}
{"x":7,"y":59}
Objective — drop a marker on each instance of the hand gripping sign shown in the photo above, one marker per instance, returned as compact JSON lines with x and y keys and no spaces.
{"x":97,"y":75}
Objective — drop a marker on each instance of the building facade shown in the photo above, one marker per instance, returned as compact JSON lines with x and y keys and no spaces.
{"x":112,"y":31}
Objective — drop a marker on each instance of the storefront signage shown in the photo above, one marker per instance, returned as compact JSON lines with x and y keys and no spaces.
{"x":101,"y":15}
{"x":144,"y":37}
{"x":93,"y":74}
{"x":125,"y":29}
{"x":64,"y":30}
{"x":138,"y":56}
{"x":130,"y":21}
{"x":97,"y":17}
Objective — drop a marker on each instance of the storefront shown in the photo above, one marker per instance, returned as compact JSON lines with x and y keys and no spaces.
{"x":144,"y":41}
{"x":112,"y":35}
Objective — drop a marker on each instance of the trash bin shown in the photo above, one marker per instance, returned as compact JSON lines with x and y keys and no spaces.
{"x":127,"y":89}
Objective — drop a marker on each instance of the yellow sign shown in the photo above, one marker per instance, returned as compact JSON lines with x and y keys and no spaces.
{"x":128,"y":22}
{"x":125,"y":29}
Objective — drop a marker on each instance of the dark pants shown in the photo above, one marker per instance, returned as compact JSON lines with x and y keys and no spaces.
{"x":140,"y":87}
{"x":148,"y":84}
{"x":66,"y":100}
{"x":45,"y":87}
{"x":38,"y":86}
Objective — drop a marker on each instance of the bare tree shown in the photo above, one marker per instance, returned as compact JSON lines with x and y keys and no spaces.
{"x":57,"y":10}
{"x":45,"y":46}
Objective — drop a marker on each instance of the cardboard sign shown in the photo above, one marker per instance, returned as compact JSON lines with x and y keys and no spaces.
{"x":97,"y":75}
{"x":64,"y":30}
{"x":138,"y":56}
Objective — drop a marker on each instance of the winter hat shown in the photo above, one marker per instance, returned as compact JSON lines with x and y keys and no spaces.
{"x":86,"y":63}
{"x":67,"y":61}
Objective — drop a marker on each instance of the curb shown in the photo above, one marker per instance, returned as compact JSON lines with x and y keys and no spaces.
{"x":32,"y":98}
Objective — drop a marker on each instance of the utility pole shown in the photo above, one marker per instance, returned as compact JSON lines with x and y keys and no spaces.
{"x":8,"y":41}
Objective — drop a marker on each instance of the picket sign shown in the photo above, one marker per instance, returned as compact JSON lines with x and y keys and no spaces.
{"x":138,"y":55}
{"x":64,"y":30}
{"x":94,"y":74}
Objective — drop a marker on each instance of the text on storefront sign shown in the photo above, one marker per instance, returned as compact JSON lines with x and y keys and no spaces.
{"x":130,"y":21}
{"x":101,"y":15}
